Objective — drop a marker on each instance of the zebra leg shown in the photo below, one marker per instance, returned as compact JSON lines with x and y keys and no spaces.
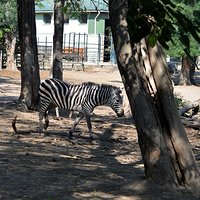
{"x":77,"y":120}
{"x":46,"y":121}
{"x":41,"y":127}
{"x":43,"y":114}
{"x":89,"y":125}
{"x":40,"y":122}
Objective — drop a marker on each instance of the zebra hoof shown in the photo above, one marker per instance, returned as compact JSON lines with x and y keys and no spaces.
{"x":46,"y":126}
{"x":91,"y":138}
{"x":40,"y":130}
{"x":70,"y":135}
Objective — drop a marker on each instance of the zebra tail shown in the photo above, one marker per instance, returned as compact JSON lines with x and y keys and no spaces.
{"x":21,"y":131}
{"x":14,"y":125}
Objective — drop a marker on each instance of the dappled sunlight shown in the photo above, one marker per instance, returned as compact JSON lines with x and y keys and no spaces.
{"x":50,"y":166}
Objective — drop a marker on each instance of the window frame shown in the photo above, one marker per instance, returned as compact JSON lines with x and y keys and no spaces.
{"x":47,"y":17}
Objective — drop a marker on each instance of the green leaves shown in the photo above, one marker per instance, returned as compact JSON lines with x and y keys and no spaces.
{"x":152,"y":39}
{"x":73,"y":8}
{"x":8,"y":16}
{"x":154,"y":35}
{"x":160,"y":20}
{"x":149,"y":19}
{"x":1,"y":34}
{"x":138,"y":28}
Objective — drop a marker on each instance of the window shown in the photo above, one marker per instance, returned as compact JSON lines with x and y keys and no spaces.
{"x":47,"y":18}
{"x":83,"y":18}
{"x":66,"y":19}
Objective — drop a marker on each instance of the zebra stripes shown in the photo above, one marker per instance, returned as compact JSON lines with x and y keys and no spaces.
{"x":82,"y":98}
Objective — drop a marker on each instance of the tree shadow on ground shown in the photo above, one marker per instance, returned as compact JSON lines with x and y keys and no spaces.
{"x":51,"y":167}
{"x":35,"y":166}
{"x":122,"y":180}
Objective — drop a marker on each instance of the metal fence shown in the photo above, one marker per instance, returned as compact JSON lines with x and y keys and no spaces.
{"x":77,"y":49}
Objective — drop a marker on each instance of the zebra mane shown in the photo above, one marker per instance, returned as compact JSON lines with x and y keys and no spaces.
{"x":96,"y":85}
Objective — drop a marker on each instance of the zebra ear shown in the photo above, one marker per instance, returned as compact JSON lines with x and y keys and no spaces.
{"x":118,"y":91}
{"x":122,"y":89}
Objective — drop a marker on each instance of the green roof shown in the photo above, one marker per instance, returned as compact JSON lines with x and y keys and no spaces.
{"x":44,"y":6}
{"x":94,"y":5}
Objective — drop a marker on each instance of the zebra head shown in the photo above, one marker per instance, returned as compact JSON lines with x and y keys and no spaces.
{"x":115,"y":101}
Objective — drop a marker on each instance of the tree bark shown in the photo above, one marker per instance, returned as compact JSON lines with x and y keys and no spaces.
{"x":10,"y":50}
{"x":58,"y":39}
{"x":165,"y":149}
{"x":30,"y":79}
{"x":174,"y":133}
{"x":187,"y":72}
{"x":158,"y":167}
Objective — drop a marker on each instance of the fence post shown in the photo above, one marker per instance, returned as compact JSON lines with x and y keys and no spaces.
{"x":85,"y":46}
{"x":112,"y":53}
{"x":1,"y":60}
{"x":45,"y":47}
{"x":99,"y":49}
{"x":64,"y":41}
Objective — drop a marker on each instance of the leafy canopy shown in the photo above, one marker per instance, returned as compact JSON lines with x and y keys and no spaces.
{"x":74,"y":8}
{"x":8,"y":16}
{"x":176,"y":48}
{"x":160,"y":19}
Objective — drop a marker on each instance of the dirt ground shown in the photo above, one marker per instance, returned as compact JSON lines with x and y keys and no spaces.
{"x":52,"y":167}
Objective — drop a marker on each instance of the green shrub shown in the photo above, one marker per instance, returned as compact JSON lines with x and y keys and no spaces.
{"x":180,"y":102}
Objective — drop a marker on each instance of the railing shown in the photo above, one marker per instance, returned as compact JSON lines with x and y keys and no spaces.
{"x":78,"y":50}
{"x":1,"y":60}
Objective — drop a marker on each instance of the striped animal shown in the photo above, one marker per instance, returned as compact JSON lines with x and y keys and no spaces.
{"x":82,"y":98}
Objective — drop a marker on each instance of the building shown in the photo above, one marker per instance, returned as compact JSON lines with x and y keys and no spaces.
{"x":91,"y":32}
{"x":94,"y":21}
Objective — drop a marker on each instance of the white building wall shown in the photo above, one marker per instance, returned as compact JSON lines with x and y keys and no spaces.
{"x":46,"y":30}
{"x":95,"y":42}
{"x":76,"y":27}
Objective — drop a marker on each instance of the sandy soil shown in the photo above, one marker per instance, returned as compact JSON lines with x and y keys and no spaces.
{"x":189,"y":93}
{"x":51,"y":167}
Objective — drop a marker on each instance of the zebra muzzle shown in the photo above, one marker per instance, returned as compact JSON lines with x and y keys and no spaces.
{"x":121,"y":113}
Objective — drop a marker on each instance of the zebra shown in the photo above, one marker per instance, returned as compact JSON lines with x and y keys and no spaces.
{"x":77,"y":97}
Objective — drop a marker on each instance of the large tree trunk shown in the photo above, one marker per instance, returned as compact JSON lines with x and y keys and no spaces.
{"x":174,"y":133}
{"x":10,"y":50}
{"x":30,"y":79}
{"x":154,"y":152}
{"x":164,"y":145}
{"x":58,"y":39}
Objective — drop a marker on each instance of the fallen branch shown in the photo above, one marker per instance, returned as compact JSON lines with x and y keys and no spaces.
{"x":194,"y":106}
{"x":189,"y":122}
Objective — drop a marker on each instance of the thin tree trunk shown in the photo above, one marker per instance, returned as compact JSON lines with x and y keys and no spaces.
{"x":185,"y":71}
{"x":192,"y":71}
{"x":10,"y":50}
{"x":58,"y":39}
